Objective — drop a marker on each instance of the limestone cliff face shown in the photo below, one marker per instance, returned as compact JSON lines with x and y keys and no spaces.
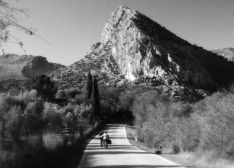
{"x":135,"y":45}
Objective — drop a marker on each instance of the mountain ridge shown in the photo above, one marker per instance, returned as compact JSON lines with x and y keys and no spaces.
{"x":227,"y":53}
{"x":136,"y":49}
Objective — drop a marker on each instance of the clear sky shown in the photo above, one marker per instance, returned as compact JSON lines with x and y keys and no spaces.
{"x":69,"y":27}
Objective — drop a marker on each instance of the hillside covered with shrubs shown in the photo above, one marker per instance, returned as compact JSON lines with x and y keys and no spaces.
{"x":204,"y":126}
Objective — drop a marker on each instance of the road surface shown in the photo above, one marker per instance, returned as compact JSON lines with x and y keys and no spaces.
{"x":121,"y":154}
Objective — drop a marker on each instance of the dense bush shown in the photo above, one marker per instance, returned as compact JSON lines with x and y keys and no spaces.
{"x":52,"y":117}
{"x":14,"y":111}
{"x":28,"y":114}
{"x":152,"y":115}
{"x":205,"y":125}
{"x":216,"y":117}
{"x":186,"y":134}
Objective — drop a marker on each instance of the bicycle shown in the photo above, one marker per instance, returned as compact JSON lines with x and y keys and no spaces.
{"x":105,"y":144}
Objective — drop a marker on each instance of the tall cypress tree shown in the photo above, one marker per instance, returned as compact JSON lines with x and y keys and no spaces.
{"x":95,"y":98}
{"x":89,"y":86}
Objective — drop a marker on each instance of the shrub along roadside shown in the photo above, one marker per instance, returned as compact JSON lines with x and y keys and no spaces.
{"x":206,"y":126}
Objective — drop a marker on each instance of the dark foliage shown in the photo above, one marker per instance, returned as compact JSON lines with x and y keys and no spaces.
{"x":33,"y":121}
{"x":45,"y":87}
{"x":61,"y":101}
{"x":95,"y":98}
{"x":89,"y":86}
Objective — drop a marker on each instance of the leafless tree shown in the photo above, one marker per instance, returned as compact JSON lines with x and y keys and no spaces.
{"x":9,"y":17}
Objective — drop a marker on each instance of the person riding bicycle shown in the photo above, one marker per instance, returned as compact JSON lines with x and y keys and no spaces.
{"x":105,"y":137}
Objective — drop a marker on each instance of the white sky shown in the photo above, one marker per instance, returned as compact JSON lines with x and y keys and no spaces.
{"x":69,"y":27}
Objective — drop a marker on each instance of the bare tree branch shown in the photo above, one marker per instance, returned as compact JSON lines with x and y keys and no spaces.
{"x":9,"y":17}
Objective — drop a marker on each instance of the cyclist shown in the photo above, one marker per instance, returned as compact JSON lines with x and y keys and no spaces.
{"x":105,"y":138}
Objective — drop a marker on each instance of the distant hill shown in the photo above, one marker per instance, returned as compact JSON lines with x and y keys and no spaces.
{"x":136,"y":50}
{"x":14,"y":69}
{"x":12,"y":65}
{"x":227,"y":53}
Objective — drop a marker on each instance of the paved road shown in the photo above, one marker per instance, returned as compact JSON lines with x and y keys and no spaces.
{"x":121,"y":154}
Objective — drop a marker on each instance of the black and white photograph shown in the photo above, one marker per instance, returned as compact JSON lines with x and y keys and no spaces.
{"x":116,"y":83}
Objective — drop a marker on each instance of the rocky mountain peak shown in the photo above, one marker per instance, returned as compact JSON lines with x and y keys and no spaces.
{"x":135,"y":40}
{"x":135,"y":48}
{"x":121,"y":17}
{"x":121,"y":13}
